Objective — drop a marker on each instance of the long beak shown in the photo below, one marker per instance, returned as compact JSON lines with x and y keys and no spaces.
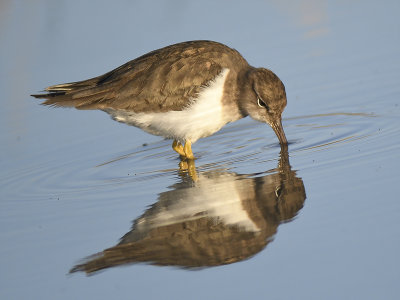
{"x":278,"y":128}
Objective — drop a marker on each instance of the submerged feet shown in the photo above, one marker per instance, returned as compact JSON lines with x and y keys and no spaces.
{"x":187,"y":158}
{"x":184,"y":151}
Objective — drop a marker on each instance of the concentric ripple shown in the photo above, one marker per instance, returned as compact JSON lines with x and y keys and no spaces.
{"x":246,"y":146}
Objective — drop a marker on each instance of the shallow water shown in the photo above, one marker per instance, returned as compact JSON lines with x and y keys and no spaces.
{"x":250,"y":221}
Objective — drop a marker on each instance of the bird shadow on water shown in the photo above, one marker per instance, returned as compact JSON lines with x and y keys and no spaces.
{"x":215,"y":217}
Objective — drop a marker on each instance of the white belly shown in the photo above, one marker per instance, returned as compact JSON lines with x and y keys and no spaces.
{"x":201,"y":118}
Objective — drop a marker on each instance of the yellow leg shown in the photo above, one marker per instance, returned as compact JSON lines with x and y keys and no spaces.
{"x":177,"y":146}
{"x":188,"y":150}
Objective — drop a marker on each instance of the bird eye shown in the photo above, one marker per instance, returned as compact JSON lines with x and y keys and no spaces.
{"x":262,"y":104}
{"x":278,"y":191}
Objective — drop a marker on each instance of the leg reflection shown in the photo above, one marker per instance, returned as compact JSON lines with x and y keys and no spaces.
{"x":188,"y":166}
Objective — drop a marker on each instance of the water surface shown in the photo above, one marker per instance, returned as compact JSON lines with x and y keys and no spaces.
{"x":317,"y":222}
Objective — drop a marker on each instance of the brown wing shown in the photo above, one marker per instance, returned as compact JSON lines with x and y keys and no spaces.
{"x":164,"y":79}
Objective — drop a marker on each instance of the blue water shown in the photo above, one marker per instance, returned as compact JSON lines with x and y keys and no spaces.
{"x":73,"y":182}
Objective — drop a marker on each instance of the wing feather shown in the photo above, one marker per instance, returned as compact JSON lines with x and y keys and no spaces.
{"x":162,"y":80}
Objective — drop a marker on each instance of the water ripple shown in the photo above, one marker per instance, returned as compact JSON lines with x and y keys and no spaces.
{"x":245,"y":146}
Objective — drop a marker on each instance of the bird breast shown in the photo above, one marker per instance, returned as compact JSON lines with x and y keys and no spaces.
{"x":202,"y":117}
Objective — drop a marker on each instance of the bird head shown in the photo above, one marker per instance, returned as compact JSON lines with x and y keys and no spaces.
{"x":265,"y":100}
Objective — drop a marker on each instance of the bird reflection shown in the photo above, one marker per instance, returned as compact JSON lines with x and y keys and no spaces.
{"x":219,"y":218}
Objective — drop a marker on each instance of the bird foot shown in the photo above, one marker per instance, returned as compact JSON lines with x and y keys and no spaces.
{"x":177,"y":146}
{"x":183,"y":151}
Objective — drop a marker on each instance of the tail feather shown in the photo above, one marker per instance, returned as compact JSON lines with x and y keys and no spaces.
{"x":98,"y":92}
{"x":73,"y":86}
{"x":80,"y":94}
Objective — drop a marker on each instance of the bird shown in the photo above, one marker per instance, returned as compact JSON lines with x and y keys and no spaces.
{"x":184,"y":92}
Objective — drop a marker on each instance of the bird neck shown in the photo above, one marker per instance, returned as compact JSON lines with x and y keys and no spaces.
{"x":245,"y":89}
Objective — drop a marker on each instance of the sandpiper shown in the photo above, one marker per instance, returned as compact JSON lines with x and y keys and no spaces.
{"x":184,"y":92}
